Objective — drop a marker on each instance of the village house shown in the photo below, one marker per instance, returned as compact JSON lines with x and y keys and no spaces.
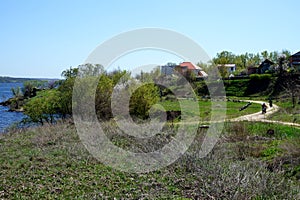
{"x":294,"y":61}
{"x":184,"y":68}
{"x":230,"y":68}
{"x":266,"y":65}
{"x":168,"y":69}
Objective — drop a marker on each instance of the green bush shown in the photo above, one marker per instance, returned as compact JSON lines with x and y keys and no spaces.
{"x":236,"y":87}
{"x":260,"y":76}
{"x":258,"y":83}
{"x":44,"y":106}
{"x":143,"y":99}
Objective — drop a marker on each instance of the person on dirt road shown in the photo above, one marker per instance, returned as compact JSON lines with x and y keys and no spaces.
{"x":270,"y":102}
{"x":263,"y":108}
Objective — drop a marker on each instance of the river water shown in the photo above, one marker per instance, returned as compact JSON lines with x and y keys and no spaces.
{"x":8,"y":118}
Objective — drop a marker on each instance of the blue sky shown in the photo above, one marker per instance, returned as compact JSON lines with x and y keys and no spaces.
{"x":42,"y":38}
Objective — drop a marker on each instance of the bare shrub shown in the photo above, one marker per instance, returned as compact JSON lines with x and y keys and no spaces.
{"x":237,"y":132}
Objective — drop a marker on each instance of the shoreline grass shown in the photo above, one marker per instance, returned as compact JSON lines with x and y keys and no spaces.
{"x":51,"y":162}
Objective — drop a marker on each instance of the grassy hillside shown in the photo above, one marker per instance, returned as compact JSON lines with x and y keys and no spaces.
{"x":255,"y":85}
{"x":50,"y":162}
{"x":287,"y":112}
{"x":232,"y":108}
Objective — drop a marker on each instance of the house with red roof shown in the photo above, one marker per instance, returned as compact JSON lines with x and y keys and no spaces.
{"x":184,"y":68}
{"x":188,"y":67}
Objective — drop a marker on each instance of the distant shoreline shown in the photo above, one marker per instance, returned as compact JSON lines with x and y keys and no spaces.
{"x":7,"y":79}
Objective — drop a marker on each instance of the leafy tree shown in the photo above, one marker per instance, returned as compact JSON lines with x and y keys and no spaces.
{"x":225,"y":57}
{"x":119,"y":76}
{"x":223,"y":71}
{"x":150,"y":76}
{"x":291,"y":85}
{"x":273,"y":56}
{"x":44,"y":106}
{"x":103,"y":95}
{"x":241,"y":61}
{"x":282,"y":64}
{"x":287,"y":53}
{"x":66,"y":90}
{"x":70,"y":73}
{"x":86,"y":77}
{"x":265,"y":55}
{"x":253,"y":59}
{"x":90,"y":70}
{"x":107,"y":83}
{"x":51,"y":102}
{"x":201,"y":88}
{"x":143,"y":99}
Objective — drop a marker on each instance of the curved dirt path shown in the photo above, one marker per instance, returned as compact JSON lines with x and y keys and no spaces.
{"x":258,"y":116}
{"x":262,"y":117}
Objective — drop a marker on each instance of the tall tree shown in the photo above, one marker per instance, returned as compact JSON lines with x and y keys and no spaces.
{"x":291,"y":86}
{"x":69,"y":73}
{"x":265,"y":55}
{"x":225,"y":57}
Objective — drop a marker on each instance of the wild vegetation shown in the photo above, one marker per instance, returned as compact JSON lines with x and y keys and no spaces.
{"x":252,"y":160}
{"x":48,"y":105}
{"x":270,"y":84}
{"x":51,"y":162}
{"x":288,"y":112}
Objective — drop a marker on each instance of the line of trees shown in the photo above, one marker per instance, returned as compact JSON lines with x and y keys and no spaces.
{"x":48,"y":105}
{"x":243,"y":61}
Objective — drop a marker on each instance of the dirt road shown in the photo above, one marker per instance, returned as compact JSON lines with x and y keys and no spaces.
{"x":262,"y":117}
